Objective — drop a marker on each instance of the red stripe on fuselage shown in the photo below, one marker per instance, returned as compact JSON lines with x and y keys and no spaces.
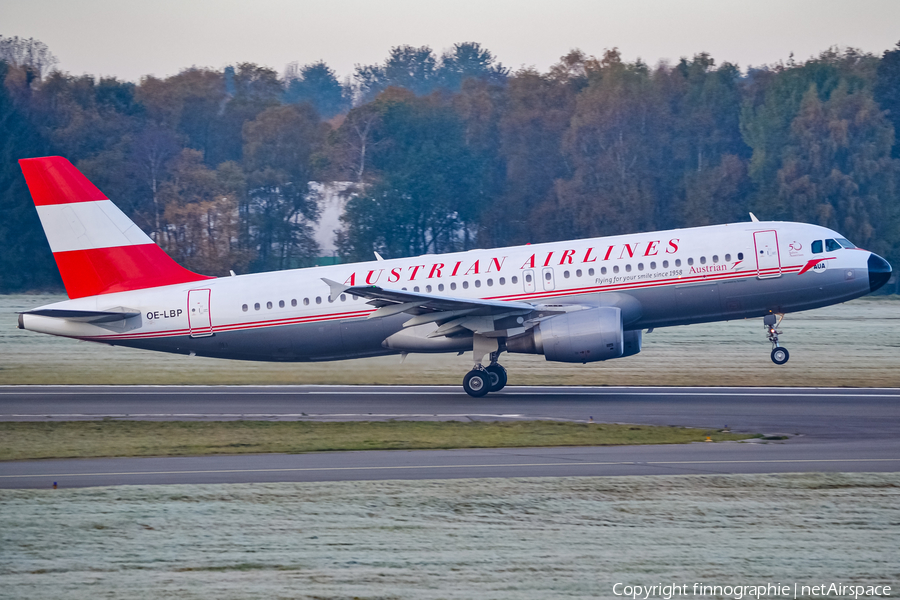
{"x":120,"y":269}
{"x":526,"y":296}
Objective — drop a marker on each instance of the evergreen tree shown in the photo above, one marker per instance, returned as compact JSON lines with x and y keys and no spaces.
{"x":26,"y":262}
{"x":316,"y":84}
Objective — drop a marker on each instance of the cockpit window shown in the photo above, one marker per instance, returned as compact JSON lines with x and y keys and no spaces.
{"x":817,"y":247}
{"x":831,"y":246}
{"x":845,"y":243}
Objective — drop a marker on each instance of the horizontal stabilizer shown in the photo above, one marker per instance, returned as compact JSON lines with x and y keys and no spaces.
{"x":86,"y":316}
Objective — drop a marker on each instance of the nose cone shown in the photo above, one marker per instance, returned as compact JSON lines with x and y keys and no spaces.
{"x":879,"y":272}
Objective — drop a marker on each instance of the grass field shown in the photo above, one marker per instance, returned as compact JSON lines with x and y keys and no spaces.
{"x":89,"y":439}
{"x":858,"y":341}
{"x":498,"y":539}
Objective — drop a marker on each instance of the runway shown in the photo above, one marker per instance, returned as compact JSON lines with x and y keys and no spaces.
{"x":833,"y":429}
{"x":694,"y":459}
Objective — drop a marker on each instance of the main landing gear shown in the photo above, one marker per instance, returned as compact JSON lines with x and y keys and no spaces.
{"x":780,"y":355}
{"x":481,"y":380}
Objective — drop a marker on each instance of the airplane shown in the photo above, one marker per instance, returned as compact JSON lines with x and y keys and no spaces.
{"x":575,"y":301}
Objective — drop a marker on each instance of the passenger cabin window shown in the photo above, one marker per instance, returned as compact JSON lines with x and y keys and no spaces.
{"x":591,"y":272}
{"x":281,"y":304}
{"x":616,"y":269}
{"x":628,"y":268}
{"x":578,"y":273}
{"x":244,"y":308}
{"x":566,"y":274}
{"x":465,"y":285}
{"x":652,"y":266}
{"x":690,"y":261}
{"x":665,"y":264}
{"x":256,"y":306}
{"x":603,"y":270}
{"x":702,"y":260}
{"x":318,"y":299}
{"x":528,"y":278}
{"x":428,"y":289}
{"x":477,"y":283}
{"x":640,"y":266}
{"x":268,"y":305}
{"x":727,"y":258}
{"x":306,"y":302}
{"x":453,"y":286}
{"x":503,"y":281}
{"x":440,"y":287}
{"x":817,"y":247}
{"x":831,"y":246}
{"x":514,"y":279}
{"x":740,"y":256}
{"x":715,"y":258}
{"x":294,"y":302}
{"x":677,"y":262}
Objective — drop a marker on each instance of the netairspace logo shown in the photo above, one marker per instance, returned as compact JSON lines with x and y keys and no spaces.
{"x":739,"y":592}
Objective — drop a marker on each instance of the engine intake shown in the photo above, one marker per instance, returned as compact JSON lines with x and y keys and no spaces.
{"x":579,"y":337}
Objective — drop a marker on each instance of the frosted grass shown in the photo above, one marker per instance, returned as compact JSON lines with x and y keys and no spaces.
{"x":487,"y":538}
{"x":852,"y":344}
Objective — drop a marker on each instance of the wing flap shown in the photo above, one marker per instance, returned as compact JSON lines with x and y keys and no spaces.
{"x":474,"y":314}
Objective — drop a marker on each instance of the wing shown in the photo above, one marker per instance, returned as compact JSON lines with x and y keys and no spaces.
{"x":493,"y":318}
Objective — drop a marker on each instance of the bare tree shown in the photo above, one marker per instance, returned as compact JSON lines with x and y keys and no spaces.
{"x":21,"y":52}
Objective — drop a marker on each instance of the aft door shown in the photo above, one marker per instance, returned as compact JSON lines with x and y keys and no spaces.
{"x":768,"y":260}
{"x":199,"y":319}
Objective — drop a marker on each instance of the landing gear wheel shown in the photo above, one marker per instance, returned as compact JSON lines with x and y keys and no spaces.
{"x":780,"y":355}
{"x":477,"y":383}
{"x":498,"y":377}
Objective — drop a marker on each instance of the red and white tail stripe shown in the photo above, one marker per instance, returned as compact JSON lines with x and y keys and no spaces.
{"x":97,"y":248}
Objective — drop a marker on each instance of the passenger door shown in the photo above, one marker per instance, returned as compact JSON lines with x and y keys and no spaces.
{"x":768,"y":260}
{"x":199,"y":319}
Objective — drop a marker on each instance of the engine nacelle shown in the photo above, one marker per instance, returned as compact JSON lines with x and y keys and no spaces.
{"x":631,"y":341}
{"x":583,"y":336}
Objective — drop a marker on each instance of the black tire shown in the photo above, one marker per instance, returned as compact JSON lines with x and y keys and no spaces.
{"x":780,"y":355}
{"x":477,"y":383}
{"x":498,"y":377}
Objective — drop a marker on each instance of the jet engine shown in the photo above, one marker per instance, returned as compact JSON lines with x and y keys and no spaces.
{"x":579,"y":337}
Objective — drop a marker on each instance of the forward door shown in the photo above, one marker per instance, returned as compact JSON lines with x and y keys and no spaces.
{"x":768,"y":260}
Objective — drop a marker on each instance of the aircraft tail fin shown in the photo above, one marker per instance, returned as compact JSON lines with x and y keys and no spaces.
{"x":97,"y":248}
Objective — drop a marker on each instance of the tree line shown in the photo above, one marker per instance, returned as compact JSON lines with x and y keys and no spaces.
{"x":453,"y":151}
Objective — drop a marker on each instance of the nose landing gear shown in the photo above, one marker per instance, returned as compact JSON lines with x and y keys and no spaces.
{"x":780,"y":355}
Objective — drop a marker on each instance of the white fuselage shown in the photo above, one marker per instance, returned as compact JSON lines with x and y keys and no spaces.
{"x":677,"y":277}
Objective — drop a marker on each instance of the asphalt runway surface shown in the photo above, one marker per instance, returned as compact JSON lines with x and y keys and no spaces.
{"x":828,"y":429}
